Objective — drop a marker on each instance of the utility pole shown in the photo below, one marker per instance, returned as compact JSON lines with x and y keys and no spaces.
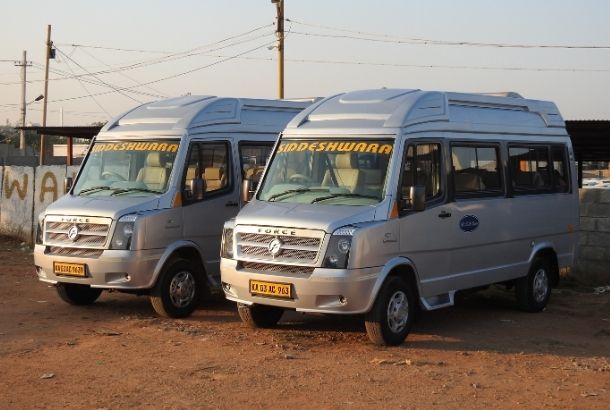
{"x":24,"y":64}
{"x":279,"y":33}
{"x":49,"y":44}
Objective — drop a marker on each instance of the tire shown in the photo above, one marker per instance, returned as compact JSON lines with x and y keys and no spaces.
{"x":534,"y":290}
{"x":259,"y":316}
{"x":79,"y":295}
{"x":393,"y":313}
{"x":178,"y":289}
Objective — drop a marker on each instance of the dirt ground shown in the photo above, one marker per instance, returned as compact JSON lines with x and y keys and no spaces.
{"x":117,"y":354}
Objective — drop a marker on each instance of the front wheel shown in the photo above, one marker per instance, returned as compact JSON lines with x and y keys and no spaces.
{"x":77,"y":294}
{"x":392,"y":315}
{"x":534,"y":290}
{"x":259,"y":315}
{"x":177,"y":292}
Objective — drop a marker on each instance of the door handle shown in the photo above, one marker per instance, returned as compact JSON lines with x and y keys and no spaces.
{"x":231,"y":203}
{"x":444,"y":214}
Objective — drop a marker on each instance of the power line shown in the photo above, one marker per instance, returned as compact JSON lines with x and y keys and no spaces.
{"x":171,"y":76}
{"x":175,"y":56}
{"x":103,"y":82}
{"x":87,"y":90}
{"x":367,"y":36}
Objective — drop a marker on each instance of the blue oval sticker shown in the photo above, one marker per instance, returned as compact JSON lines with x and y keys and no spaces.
{"x":469,"y":223}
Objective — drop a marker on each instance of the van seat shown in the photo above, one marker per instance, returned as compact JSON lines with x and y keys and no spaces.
{"x":214,"y":178}
{"x":468,"y":182}
{"x":346,"y":171}
{"x":153,"y":173}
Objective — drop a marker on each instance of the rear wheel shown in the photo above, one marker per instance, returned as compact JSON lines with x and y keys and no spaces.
{"x":534,"y":290}
{"x":392,"y":315}
{"x":259,"y":315}
{"x":77,"y":294}
{"x":177,"y":292}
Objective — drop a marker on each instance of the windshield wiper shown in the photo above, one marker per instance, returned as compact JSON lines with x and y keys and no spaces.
{"x":94,"y":188}
{"x":346,"y":194}
{"x":295,"y":191}
{"x":124,"y":190}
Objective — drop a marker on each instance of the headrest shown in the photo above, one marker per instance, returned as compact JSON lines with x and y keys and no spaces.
{"x":153,"y":159}
{"x":456,"y":161}
{"x":212,"y":173}
{"x":346,"y":160}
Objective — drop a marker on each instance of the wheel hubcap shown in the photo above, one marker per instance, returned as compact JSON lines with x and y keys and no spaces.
{"x":182,"y":289}
{"x":540,"y":285}
{"x":398,"y":312}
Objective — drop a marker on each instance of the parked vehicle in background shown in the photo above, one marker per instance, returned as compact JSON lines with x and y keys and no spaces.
{"x":381,"y":202}
{"x":146,"y":211}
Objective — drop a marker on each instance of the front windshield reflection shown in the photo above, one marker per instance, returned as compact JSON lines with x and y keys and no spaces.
{"x":328,"y":171}
{"x":127,"y":168}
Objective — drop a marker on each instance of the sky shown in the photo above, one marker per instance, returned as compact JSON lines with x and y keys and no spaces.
{"x":114,"y":55}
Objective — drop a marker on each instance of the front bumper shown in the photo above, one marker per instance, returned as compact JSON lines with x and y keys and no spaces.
{"x":113,"y":269}
{"x":323,"y":291}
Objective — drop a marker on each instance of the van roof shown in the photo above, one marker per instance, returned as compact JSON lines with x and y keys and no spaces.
{"x":429,"y":110}
{"x":203,"y":113}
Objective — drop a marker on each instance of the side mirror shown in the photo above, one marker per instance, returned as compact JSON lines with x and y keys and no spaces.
{"x":417,"y":197}
{"x":67,"y":184}
{"x":248,"y":189}
{"x":197,"y":187}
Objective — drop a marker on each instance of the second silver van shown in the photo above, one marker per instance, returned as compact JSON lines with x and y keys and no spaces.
{"x":380,"y":202}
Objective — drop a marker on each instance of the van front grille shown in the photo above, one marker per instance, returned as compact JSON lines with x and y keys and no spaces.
{"x":300,"y":250}
{"x":271,"y":268}
{"x":76,"y":232}
{"x":74,"y":252}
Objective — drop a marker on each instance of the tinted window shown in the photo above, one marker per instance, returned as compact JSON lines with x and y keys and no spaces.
{"x":254,"y":157}
{"x":529,"y":169}
{"x":210,"y":162}
{"x":422,"y":167}
{"x":475,"y":170}
{"x":561,"y":177}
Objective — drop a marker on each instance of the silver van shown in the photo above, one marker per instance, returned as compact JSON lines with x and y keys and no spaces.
{"x":146,"y":211}
{"x":381,"y":202}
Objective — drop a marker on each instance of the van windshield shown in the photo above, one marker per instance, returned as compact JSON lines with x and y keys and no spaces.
{"x":134,"y":168}
{"x":328,"y":171}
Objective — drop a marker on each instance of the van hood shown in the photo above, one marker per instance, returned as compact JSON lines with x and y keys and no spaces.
{"x":110,"y":207}
{"x":304,"y":216}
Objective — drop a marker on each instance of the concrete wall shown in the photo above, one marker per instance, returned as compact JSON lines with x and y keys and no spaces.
{"x":593,"y":255}
{"x":24,"y":193}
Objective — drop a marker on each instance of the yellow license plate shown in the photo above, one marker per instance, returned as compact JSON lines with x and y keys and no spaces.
{"x":280,"y":290}
{"x":69,"y":269}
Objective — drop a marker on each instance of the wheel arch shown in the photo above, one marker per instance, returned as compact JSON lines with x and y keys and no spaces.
{"x":185,"y":250}
{"x":401,"y":267}
{"x":546,"y":250}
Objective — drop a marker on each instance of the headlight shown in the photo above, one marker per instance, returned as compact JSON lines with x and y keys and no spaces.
{"x":226,"y":245}
{"x":39,"y":231}
{"x":337,"y":253}
{"x":123,"y":232}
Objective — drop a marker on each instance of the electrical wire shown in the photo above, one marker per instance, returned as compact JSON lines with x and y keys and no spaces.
{"x":367,"y":36}
{"x":103,"y":82}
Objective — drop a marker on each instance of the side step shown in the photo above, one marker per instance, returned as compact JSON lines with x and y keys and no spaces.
{"x":438,"y":301}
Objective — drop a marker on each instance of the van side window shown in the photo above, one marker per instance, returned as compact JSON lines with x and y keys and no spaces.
{"x":529,"y":169}
{"x":422,"y":167}
{"x":476,"y":171}
{"x":254,"y":157}
{"x":561,"y":180}
{"x":210,"y":162}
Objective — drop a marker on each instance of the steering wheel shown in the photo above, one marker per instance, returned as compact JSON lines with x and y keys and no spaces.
{"x":299,"y":178}
{"x":112,"y":175}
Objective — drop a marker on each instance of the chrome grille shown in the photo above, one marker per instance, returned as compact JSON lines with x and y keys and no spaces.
{"x":301,"y":247}
{"x":268,"y":267}
{"x":76,"y":252}
{"x":92,"y":231}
